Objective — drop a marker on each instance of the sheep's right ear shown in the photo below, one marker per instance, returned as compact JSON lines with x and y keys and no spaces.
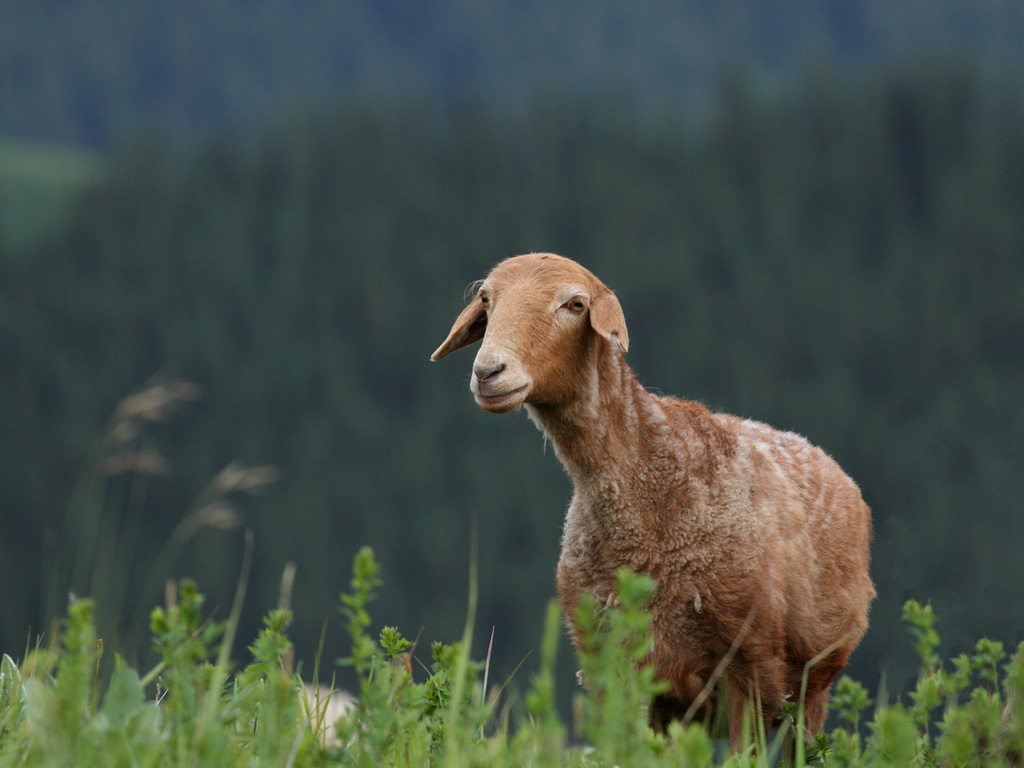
{"x":469,"y":327}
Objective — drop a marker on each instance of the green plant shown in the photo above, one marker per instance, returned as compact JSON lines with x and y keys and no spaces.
{"x":193,"y":708}
{"x":615,"y":643}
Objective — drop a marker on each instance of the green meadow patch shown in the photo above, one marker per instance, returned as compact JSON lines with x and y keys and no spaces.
{"x":198,"y":707}
{"x":38,"y":184}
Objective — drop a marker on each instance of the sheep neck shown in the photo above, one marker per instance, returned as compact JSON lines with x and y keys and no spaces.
{"x":604,"y":430}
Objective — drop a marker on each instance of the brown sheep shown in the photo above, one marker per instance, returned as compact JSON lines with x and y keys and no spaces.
{"x":757,"y":540}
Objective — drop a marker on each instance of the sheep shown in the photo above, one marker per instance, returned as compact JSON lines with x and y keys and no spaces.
{"x":323,"y":706}
{"x":757,"y":540}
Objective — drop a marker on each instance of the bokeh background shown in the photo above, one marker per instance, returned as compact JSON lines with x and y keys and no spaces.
{"x":260,"y":217}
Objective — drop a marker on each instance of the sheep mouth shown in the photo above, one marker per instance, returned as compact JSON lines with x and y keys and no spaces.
{"x":505,"y":401}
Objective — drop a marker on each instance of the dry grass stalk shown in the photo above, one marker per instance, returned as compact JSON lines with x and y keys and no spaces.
{"x":238,"y":478}
{"x":141,"y":462}
{"x":218,"y":515}
{"x":156,"y":402}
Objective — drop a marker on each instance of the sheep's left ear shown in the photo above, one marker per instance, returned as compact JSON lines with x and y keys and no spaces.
{"x":469,"y":327}
{"x":607,"y":319}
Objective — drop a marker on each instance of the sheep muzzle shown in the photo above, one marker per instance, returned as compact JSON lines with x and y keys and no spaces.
{"x":498,"y":383}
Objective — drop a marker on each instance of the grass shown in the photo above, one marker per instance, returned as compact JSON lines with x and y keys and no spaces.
{"x":68,"y":703}
{"x":196,"y":707}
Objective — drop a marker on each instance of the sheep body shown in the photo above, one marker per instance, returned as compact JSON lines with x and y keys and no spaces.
{"x":757,"y":539}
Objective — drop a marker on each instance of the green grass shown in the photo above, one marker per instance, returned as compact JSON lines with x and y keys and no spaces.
{"x":38,"y":182}
{"x":197,"y":707}
{"x":52,"y":164}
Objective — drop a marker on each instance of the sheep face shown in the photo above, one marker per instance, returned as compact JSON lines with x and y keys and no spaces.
{"x":540,"y":317}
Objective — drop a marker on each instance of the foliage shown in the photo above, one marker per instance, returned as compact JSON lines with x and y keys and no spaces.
{"x":55,"y":712}
{"x":614,"y":645}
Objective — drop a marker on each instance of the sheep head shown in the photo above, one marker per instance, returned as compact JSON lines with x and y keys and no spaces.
{"x":540,"y":317}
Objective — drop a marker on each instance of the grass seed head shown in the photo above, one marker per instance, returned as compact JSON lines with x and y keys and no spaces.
{"x":236,"y":477}
{"x":156,"y":402}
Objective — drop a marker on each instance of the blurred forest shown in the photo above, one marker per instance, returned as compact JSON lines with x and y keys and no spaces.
{"x":93,"y":73}
{"x":843,"y":260}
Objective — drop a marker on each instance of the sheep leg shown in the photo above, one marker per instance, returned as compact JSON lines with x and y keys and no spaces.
{"x":819,"y":682}
{"x":815,"y":712}
{"x":742,"y":710}
{"x":664,"y":709}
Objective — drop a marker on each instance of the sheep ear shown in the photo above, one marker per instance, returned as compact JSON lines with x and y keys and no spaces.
{"x":469,"y":327}
{"x":607,"y":319}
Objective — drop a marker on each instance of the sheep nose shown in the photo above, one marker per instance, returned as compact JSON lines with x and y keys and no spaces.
{"x":484,"y":372}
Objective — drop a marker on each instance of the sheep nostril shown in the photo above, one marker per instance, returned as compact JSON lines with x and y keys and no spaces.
{"x":484,"y":373}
